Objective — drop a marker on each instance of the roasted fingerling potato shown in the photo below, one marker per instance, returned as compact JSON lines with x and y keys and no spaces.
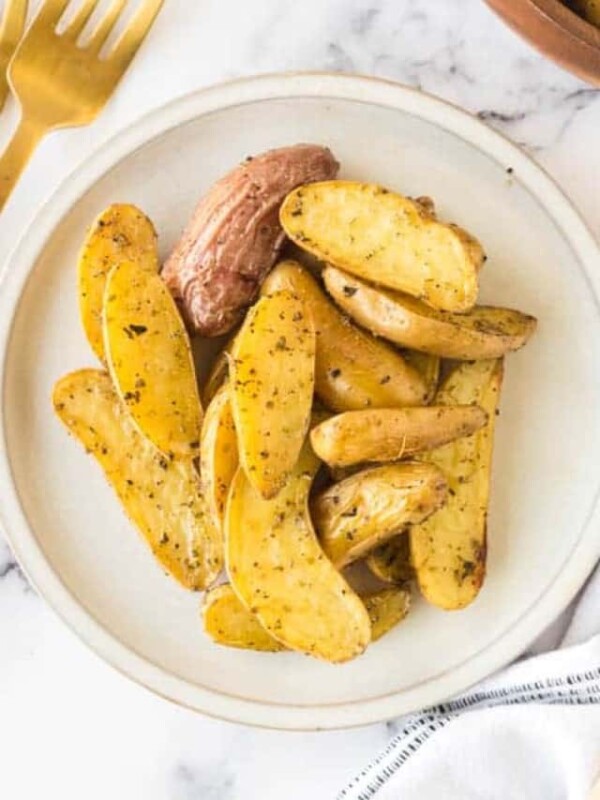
{"x":162,"y":497}
{"x":228,"y":622}
{"x":357,"y":514}
{"x":280,"y":573}
{"x":387,"y":239}
{"x":386,"y":609}
{"x":390,"y":562}
{"x":352,"y":369}
{"x":389,"y":434}
{"x":428,"y":367}
{"x":338,"y":452}
{"x":150,"y":359}
{"x":448,"y":551}
{"x":216,"y":377}
{"x":120,"y":233}
{"x":272,"y":378}
{"x":481,"y":333}
{"x":234,"y":236}
{"x":218,"y":454}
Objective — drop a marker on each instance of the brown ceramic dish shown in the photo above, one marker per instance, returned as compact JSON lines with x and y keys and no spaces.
{"x":557,"y":32}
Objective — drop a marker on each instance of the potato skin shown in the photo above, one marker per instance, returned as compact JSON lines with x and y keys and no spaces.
{"x":389,"y":434}
{"x":216,"y":377}
{"x":160,"y":496}
{"x":353,"y":369}
{"x":368,"y":508}
{"x":390,"y":562}
{"x":428,"y":366}
{"x":219,"y":457}
{"x":228,"y":622}
{"x":385,"y":238}
{"x":278,"y":570}
{"x":448,"y":551}
{"x":272,"y":381}
{"x":234,"y":236}
{"x":120,"y":233}
{"x":484,"y":332}
{"x":150,"y":359}
{"x":386,"y":609}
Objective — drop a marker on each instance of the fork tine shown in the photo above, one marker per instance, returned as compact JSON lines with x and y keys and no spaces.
{"x":102,"y":31}
{"x":137,"y":30}
{"x":50,"y":12}
{"x":78,"y":22}
{"x":13,"y":20}
{"x":11,"y":30}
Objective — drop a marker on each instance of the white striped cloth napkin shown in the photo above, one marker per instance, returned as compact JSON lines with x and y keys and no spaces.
{"x":531,"y":732}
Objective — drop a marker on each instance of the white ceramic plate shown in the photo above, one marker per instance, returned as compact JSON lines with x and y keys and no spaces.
{"x":67,"y":528}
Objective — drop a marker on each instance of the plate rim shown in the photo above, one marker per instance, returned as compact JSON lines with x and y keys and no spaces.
{"x":13,"y":279}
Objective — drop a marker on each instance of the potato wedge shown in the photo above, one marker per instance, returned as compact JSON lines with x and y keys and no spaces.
{"x":150,"y":359}
{"x":386,"y":609}
{"x":428,"y":367}
{"x":272,"y":369}
{"x":362,"y":511}
{"x":216,"y":377}
{"x":390,"y":562}
{"x":389,"y":434}
{"x":352,"y":369}
{"x":227,"y":621}
{"x":120,"y":233}
{"x":385,"y":238}
{"x":448,"y":551}
{"x":484,"y":332}
{"x":218,"y":454}
{"x":279,"y":571}
{"x":161,"y":497}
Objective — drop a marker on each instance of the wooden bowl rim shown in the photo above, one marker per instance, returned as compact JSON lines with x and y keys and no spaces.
{"x":557,"y":31}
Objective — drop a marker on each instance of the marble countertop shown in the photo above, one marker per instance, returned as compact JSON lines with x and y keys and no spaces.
{"x":70,"y":726}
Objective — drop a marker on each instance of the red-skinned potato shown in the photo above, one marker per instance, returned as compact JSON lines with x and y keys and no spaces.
{"x":234,"y":236}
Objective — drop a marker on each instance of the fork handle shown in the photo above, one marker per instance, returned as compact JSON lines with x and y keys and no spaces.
{"x":17,"y":154}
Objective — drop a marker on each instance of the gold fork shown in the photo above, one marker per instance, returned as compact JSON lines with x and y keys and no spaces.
{"x":61,"y":84}
{"x":11,"y":30}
